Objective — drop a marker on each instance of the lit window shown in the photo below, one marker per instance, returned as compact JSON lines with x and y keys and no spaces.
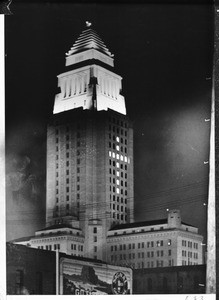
{"x":117,"y":165}
{"x":117,"y":182}
{"x":121,"y":157}
{"x":125,"y":158}
{"x":117,"y":173}
{"x":114,"y":155}
{"x":117,"y":156}
{"x":117,"y":190}
{"x":117,"y":147}
{"x":117,"y":139}
{"x":110,"y":153}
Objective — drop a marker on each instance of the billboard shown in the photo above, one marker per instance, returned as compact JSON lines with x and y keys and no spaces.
{"x":93,"y":278}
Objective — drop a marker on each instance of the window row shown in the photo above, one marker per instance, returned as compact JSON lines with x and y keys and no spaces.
{"x":157,"y":243}
{"x":117,"y":147}
{"x":118,"y":182}
{"x":118,"y":190}
{"x":148,"y":254}
{"x":118,"y":122}
{"x":67,"y":189}
{"x":68,"y":198}
{"x":67,"y":154}
{"x":121,"y":217}
{"x":68,"y":181}
{"x":67,"y":145}
{"x":117,"y":139}
{"x":184,"y":263}
{"x":118,"y":130}
{"x":118,"y":173}
{"x":184,"y":254}
{"x":118,"y":157}
{"x":190,"y":244}
{"x":140,"y":245}
{"x":78,"y":134}
{"x":118,"y":199}
{"x":118,"y":207}
{"x":49,"y":247}
{"x":118,"y":165}
{"x":74,"y":247}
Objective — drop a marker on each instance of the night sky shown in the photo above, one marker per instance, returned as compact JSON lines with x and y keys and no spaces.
{"x":163,"y":53}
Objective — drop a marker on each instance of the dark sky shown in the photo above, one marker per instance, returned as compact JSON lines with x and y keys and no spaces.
{"x":163,"y":53}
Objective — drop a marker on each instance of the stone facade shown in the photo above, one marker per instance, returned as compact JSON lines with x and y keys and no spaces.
{"x":90,"y":150}
{"x":160,"y":243}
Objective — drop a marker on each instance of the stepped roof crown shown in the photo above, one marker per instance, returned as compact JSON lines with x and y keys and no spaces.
{"x":89,"y":44}
{"x":89,"y":39}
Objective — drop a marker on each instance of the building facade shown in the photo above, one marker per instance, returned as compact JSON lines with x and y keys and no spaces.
{"x":89,"y":147}
{"x":90,"y":203}
{"x":39,"y":272}
{"x":152,"y":244}
{"x":171,"y":280}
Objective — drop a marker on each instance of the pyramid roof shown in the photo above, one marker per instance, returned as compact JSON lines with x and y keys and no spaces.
{"x":89,"y":39}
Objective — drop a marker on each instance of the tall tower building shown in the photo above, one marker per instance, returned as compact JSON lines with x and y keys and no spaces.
{"x":89,"y":147}
{"x":89,"y":209}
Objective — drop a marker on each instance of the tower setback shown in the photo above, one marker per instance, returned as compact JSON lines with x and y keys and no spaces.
{"x":89,"y":147}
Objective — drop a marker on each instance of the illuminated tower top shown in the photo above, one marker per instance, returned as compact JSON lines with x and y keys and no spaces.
{"x":90,"y":83}
{"x":89,"y":46}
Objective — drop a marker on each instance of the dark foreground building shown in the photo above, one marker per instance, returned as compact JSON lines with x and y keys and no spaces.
{"x":171,"y":280}
{"x":30,"y":271}
{"x":33,"y":271}
{"x":39,"y":272}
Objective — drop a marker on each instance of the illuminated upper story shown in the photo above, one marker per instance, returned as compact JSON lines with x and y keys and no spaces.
{"x":89,"y":83}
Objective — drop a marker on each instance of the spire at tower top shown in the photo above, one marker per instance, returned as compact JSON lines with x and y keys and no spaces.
{"x":88,"y":24}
